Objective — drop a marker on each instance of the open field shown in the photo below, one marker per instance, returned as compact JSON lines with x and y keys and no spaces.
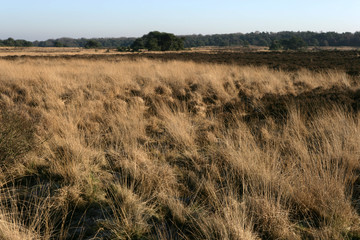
{"x":347,"y":60}
{"x":50,"y":51}
{"x":128,"y":147}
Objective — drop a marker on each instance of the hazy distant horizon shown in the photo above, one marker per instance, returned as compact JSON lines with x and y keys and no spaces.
{"x":42,"y":20}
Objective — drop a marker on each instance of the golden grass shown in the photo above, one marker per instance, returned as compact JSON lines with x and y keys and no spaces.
{"x":51,"y":51}
{"x":176,"y":150}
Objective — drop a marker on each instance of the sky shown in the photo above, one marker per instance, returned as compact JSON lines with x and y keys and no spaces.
{"x":50,"y":19}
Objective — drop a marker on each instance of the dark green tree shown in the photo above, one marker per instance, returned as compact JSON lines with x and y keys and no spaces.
{"x":158,"y":41}
{"x":197,"y":40}
{"x":246,"y":43}
{"x":22,"y":43}
{"x":315,"y":42}
{"x":9,"y":42}
{"x":92,"y":44}
{"x":294,"y":43}
{"x":152,"y":44}
{"x":263,"y":42}
{"x":275,"y":45}
{"x":59,"y":44}
{"x":138,"y":44}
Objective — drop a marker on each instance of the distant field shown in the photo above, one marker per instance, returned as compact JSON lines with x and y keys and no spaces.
{"x":48,"y":51}
{"x":346,"y":60}
{"x":190,"y":145}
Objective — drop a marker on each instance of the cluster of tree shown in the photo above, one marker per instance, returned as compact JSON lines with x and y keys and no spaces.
{"x":166,"y":41}
{"x":10,"y":42}
{"x":92,"y":44}
{"x":267,"y":38}
{"x":294,"y":43}
{"x":153,"y":41}
{"x":82,"y":42}
{"x":158,"y":41}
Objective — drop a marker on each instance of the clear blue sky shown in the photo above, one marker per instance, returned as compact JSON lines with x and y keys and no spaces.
{"x":44,"y":19}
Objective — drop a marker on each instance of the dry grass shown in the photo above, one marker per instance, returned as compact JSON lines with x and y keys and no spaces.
{"x":51,"y":51}
{"x":177,"y":150}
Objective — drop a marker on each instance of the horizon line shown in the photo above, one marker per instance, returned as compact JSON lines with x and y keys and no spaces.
{"x":203,"y":34}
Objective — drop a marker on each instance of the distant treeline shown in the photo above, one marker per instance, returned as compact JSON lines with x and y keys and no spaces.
{"x":82,"y":42}
{"x":234,"y":39}
{"x":266,"y":39}
{"x":10,"y":42}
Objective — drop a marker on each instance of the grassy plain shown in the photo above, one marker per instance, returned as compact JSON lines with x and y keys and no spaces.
{"x":49,"y":51}
{"x":319,"y":60}
{"x":146,"y":149}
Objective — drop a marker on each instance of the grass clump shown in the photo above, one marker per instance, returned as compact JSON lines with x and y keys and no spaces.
{"x":17,"y":135}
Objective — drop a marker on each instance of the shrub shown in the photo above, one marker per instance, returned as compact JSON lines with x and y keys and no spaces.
{"x":123,"y":49}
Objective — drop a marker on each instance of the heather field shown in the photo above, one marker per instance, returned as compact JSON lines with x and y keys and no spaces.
{"x":319,"y":59}
{"x":139,"y":148}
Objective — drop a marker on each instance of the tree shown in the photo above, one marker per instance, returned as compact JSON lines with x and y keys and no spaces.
{"x":152,"y":44}
{"x":9,"y":42}
{"x":246,"y":43}
{"x":158,"y":41}
{"x":92,"y":44}
{"x":315,"y":42}
{"x":58,"y":44}
{"x":138,"y":44}
{"x":263,"y":42}
{"x":275,"y":45}
{"x":294,"y":43}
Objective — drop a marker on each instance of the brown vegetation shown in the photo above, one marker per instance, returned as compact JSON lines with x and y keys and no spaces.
{"x":318,"y":60}
{"x":145,"y":149}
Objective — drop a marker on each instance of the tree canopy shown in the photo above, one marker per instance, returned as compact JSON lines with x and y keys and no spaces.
{"x":10,"y":42}
{"x":158,"y":41}
{"x":92,"y":44}
{"x":265,"y":39}
{"x":294,"y":43}
{"x":268,"y":38}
